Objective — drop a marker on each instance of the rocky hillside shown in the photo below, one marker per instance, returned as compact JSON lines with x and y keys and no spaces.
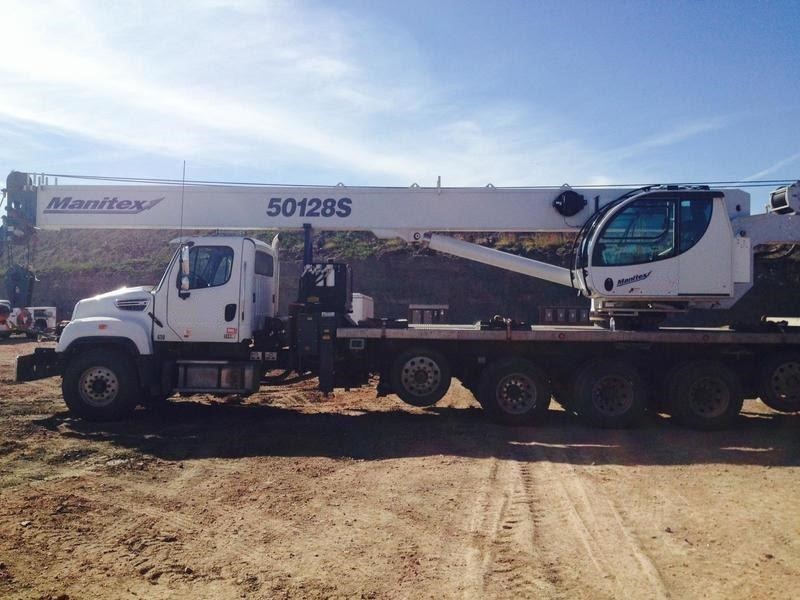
{"x":74,"y":264}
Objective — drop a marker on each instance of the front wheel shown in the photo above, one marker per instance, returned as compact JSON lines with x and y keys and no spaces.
{"x":514,"y":391}
{"x":420,"y":376}
{"x":100,"y":384}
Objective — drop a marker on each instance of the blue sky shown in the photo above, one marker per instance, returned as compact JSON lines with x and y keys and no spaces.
{"x":385,"y":93}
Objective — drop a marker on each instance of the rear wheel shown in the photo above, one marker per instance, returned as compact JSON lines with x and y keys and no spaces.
{"x":610,"y":393}
{"x":420,"y":376}
{"x":100,"y":384}
{"x":514,"y":391}
{"x":705,"y":395}
{"x":779,"y":382}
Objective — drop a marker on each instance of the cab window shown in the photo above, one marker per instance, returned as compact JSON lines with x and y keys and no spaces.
{"x":209,"y":266}
{"x":694,"y":219}
{"x":642,"y":232}
{"x":264,"y":264}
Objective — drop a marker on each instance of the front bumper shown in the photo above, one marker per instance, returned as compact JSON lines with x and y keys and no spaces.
{"x":42,"y":363}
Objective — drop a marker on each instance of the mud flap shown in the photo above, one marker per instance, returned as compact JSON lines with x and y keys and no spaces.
{"x":39,"y":365}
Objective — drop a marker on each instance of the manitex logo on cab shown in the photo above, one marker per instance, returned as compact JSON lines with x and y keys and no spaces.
{"x":633,"y":279}
{"x":70,"y":205}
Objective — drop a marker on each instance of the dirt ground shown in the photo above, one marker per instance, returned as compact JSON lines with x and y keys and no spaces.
{"x":287,"y":494}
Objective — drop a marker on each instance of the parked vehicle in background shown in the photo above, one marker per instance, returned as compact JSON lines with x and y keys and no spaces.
{"x":29,"y":320}
{"x":5,"y":326}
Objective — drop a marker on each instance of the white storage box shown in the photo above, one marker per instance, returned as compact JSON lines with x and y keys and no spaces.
{"x":363,"y":307}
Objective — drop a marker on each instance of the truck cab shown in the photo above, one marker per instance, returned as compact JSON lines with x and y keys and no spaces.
{"x":215,"y":290}
{"x":191,"y":333}
{"x":218,"y":290}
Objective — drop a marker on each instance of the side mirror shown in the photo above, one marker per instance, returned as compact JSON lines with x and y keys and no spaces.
{"x":183,"y":285}
{"x":185,"y":260}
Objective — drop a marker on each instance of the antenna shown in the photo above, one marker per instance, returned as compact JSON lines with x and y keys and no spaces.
{"x":183,"y":186}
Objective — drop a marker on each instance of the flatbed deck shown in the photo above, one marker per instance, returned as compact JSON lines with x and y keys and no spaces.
{"x":573,"y":333}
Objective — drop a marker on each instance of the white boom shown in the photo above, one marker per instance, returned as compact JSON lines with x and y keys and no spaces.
{"x":386,"y":211}
{"x":655,"y":249}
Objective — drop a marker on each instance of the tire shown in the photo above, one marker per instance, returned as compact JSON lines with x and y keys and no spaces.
{"x":101,"y":385}
{"x":705,"y":395}
{"x":610,"y":394}
{"x":420,"y":376}
{"x":779,"y":382}
{"x":514,"y":391}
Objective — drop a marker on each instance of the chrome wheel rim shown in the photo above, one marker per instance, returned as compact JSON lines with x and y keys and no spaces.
{"x":98,"y":386}
{"x":516,"y":394}
{"x":420,"y":376}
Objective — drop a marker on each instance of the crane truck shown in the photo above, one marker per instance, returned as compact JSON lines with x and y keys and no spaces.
{"x":212,"y":324}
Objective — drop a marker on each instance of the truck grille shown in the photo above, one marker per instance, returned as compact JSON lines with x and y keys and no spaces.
{"x":138,"y":304}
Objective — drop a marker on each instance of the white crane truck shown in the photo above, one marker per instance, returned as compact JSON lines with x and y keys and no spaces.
{"x":212,"y":325}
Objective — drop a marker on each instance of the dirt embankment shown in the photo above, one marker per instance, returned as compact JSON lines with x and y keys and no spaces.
{"x":287,"y":494}
{"x":77,"y":264}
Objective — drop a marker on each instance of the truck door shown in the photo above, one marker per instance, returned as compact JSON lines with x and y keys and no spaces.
{"x":706,"y":244}
{"x":636,"y":253}
{"x":209,"y":310}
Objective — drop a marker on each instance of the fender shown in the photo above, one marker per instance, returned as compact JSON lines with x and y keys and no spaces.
{"x":134,"y":335}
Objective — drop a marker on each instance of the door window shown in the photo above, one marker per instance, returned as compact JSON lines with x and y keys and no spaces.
{"x":209,"y":266}
{"x":695,"y":217}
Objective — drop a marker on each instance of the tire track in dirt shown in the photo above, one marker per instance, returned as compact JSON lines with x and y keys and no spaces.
{"x":541,"y":529}
{"x":505,"y":557}
{"x":611,"y":551}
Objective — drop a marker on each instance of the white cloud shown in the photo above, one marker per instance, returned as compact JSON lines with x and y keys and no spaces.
{"x":669,"y":137}
{"x":279,"y":86}
{"x":775,"y":167}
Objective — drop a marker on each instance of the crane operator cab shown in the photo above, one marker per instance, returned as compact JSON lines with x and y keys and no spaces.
{"x":673,"y":247}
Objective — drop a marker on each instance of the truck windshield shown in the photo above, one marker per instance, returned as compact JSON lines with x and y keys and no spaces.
{"x":168,"y":269}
